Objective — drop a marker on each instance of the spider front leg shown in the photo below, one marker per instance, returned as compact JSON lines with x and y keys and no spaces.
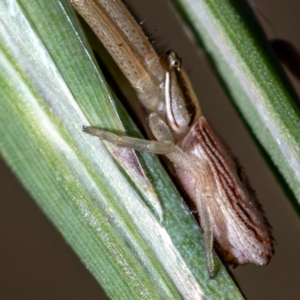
{"x":207,"y":225}
{"x":204,"y":185}
{"x":165,"y":145}
{"x":204,"y":196}
{"x":125,"y":141}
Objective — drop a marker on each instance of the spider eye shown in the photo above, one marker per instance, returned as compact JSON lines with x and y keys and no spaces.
{"x":176,"y":63}
{"x":173,"y":60}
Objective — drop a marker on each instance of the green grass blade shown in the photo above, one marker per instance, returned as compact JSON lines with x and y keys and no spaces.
{"x":246,"y":65}
{"x":128,"y":224}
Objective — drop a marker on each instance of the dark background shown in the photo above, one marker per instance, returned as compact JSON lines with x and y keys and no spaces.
{"x":35,"y":261}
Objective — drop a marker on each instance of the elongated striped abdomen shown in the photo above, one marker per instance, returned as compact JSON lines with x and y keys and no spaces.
{"x":240,"y":228}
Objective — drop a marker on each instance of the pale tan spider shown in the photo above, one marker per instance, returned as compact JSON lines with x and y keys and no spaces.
{"x":209,"y":173}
